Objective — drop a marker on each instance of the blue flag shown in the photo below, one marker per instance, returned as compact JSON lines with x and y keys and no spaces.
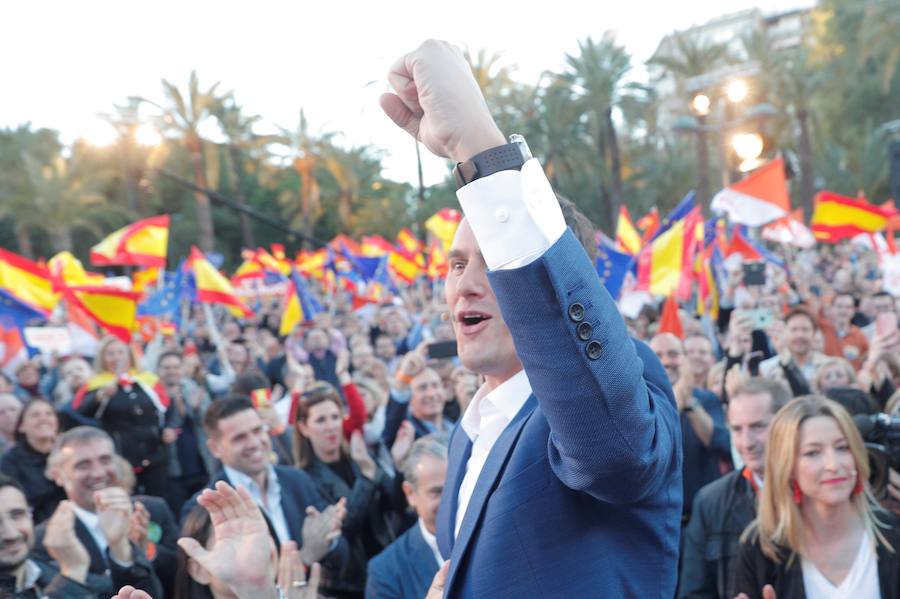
{"x":612,"y":266}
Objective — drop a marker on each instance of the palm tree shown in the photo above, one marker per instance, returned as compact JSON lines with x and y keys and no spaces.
{"x":691,"y":57}
{"x":597,"y":74}
{"x":878,"y":34}
{"x":68,"y":196}
{"x":242,"y":145}
{"x":305,"y":151}
{"x":16,"y":189}
{"x":182,"y":118}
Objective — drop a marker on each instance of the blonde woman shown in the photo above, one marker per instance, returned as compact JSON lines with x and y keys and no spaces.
{"x":819,"y":532}
{"x":834,"y":372}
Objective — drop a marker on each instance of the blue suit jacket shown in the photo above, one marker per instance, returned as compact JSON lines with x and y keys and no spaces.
{"x":404,"y":570}
{"x":297,"y":492}
{"x":581,"y":494}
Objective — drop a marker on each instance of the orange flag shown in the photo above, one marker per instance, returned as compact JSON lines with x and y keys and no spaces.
{"x":670,"y":321}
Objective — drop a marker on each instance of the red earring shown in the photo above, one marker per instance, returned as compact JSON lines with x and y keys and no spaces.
{"x":798,"y":495}
{"x":859,"y":485}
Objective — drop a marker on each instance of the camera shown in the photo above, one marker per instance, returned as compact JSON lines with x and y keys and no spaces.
{"x":882,"y":436}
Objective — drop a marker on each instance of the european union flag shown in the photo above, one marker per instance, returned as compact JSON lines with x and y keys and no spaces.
{"x":679,"y":212}
{"x":15,"y":314}
{"x":766,"y":254}
{"x":166,"y":302}
{"x":612,"y":266}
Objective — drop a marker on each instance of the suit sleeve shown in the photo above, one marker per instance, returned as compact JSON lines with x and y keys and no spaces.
{"x":139,"y":574}
{"x":166,"y":548}
{"x":356,"y":416}
{"x":615,"y":432}
{"x":381,"y":584}
{"x":747,"y":577}
{"x":721,"y":440}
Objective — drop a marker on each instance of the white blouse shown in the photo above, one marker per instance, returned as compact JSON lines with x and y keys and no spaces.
{"x":860,"y":583}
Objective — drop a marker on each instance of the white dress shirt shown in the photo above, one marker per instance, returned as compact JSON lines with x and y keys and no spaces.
{"x":515,"y":218}
{"x":270,"y":504}
{"x":485,"y":419}
{"x":431,"y":541}
{"x":91,"y":521}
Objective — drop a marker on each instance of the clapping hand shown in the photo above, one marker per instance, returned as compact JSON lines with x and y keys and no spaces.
{"x":436,"y":591}
{"x":768,"y":592}
{"x":406,"y":434}
{"x":137,"y":531}
{"x":241,"y":556}
{"x":63,"y":545}
{"x":320,"y":529}
{"x":129,"y":592}
{"x":359,"y":453}
{"x":114,"y":512}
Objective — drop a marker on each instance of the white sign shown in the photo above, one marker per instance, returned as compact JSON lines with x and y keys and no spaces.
{"x":49,"y":339}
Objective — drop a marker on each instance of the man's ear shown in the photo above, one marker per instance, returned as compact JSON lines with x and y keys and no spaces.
{"x":410,"y":493}
{"x":198,"y":573}
{"x":212,"y":444}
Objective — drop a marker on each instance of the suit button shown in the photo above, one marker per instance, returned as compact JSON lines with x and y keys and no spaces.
{"x":585,"y":330}
{"x":593,"y":350}
{"x":576,"y":312}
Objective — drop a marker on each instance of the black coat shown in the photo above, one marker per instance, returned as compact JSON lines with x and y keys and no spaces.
{"x":27,"y":466}
{"x":49,"y":585}
{"x":366,"y":526}
{"x":163,"y":532}
{"x":755,"y":570}
{"x":722,"y":510}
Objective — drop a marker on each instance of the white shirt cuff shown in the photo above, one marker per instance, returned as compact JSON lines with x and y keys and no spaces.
{"x":514,"y":215}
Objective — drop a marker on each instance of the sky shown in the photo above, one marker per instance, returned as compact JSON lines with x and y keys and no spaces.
{"x":64,"y":63}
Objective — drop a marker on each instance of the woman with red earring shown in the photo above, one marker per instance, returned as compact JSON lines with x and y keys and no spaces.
{"x":819,"y":531}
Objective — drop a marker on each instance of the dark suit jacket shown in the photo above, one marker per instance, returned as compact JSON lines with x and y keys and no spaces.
{"x":404,"y":570}
{"x":581,"y":494}
{"x":297,"y":492}
{"x":105,"y":576}
{"x":166,"y":547}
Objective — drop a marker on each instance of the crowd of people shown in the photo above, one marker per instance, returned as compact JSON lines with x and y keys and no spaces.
{"x":120,"y":467}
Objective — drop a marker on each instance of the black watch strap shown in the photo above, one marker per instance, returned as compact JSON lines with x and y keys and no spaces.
{"x":507,"y":157}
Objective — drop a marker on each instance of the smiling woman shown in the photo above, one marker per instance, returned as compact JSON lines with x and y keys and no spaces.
{"x":820,"y":532}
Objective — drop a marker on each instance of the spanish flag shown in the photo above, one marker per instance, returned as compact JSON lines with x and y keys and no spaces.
{"x":143,"y":243}
{"x":112,"y":308}
{"x":437,"y":261}
{"x":27,"y":282}
{"x":67,"y":268}
{"x":837,"y":217}
{"x":408,"y":242}
{"x":213,"y":287}
{"x":313,"y":264}
{"x":376,"y":246}
{"x":649,"y":225}
{"x":406,"y":266}
{"x":443,"y":225}
{"x":662,"y":263}
{"x":627,"y":237}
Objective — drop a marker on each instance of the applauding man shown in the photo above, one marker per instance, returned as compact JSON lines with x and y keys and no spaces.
{"x":564,"y":476}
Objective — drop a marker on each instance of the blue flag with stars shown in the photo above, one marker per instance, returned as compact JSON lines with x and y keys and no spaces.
{"x":16,"y":315}
{"x":612,"y":266}
{"x":166,"y":302}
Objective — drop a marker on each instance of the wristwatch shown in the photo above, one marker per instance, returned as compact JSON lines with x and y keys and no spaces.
{"x":691,"y":405}
{"x":507,"y":157}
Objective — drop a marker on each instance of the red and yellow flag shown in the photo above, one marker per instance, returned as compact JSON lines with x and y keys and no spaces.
{"x":627,"y":237}
{"x":111,"y":307}
{"x":376,"y":246}
{"x":437,"y":261}
{"x":409,"y":242}
{"x":27,"y":282}
{"x":443,"y":225}
{"x":213,"y":287}
{"x":406,"y":266}
{"x":837,"y":217}
{"x":66,"y":267}
{"x":143,"y":243}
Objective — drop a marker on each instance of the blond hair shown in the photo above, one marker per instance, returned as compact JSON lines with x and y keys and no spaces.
{"x":779,"y":525}
{"x":830,"y":362}
{"x":99,"y":359}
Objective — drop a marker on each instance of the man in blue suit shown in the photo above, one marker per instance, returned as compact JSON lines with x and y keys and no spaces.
{"x":288,"y":498}
{"x":564,"y":475}
{"x":405,"y":569}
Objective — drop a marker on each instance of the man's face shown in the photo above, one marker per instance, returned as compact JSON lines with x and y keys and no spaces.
{"x":484,"y":342}
{"x":385,"y":348}
{"x":16,"y":529}
{"x":428,"y":395}
{"x":749,"y":416}
{"x":242,"y":443}
{"x":425,"y":496}
{"x":842,"y":309}
{"x":10,"y":408}
{"x":28,"y":375}
{"x":800,"y":335}
{"x":316,"y":341}
{"x":169,"y":370}
{"x":238,"y":356}
{"x":76,"y":373}
{"x":395,"y":324}
{"x":231,"y":330}
{"x":85,"y":468}
{"x":698,"y":351}
{"x":670,"y":352}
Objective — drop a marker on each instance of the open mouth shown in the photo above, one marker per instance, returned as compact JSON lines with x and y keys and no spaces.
{"x":471,"y":321}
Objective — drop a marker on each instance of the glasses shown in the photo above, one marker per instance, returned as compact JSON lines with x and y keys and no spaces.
{"x":16,"y":516}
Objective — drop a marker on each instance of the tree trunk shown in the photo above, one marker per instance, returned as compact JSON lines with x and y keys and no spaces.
{"x":421,"y":178}
{"x":206,"y":234}
{"x":23,"y":238}
{"x":615,"y":167}
{"x":237,"y":175}
{"x":61,"y":238}
{"x":807,"y":176}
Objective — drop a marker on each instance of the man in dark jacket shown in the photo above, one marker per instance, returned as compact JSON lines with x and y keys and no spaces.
{"x":724,"y":508}
{"x":287,"y":497}
{"x":406,"y":568}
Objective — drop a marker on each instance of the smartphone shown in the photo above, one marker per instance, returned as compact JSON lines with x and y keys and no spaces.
{"x":761,"y":318}
{"x":886,"y":323}
{"x":440,"y":350}
{"x":754,"y":273}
